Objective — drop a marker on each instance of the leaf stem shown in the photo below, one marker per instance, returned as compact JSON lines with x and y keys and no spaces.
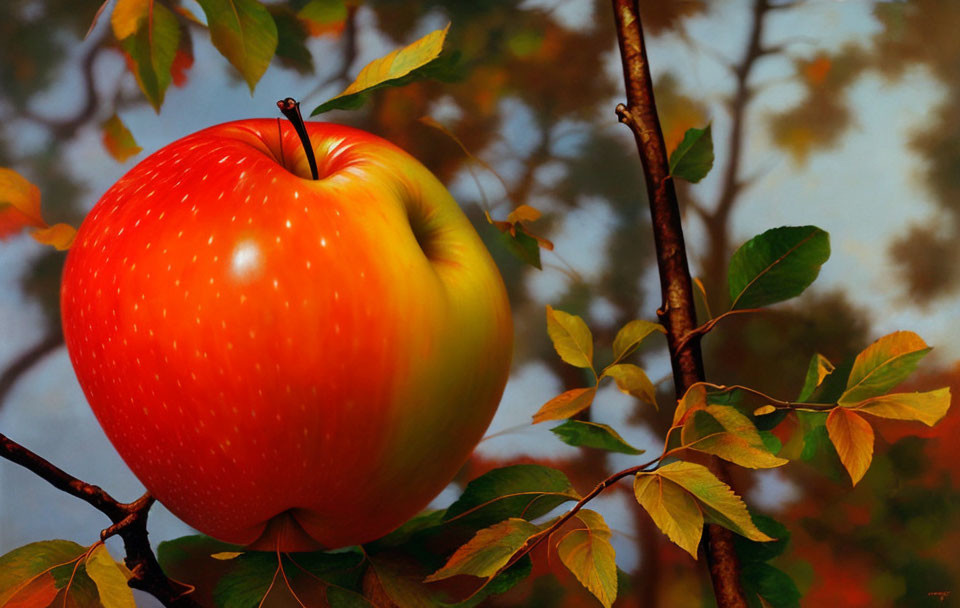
{"x":290,"y":108}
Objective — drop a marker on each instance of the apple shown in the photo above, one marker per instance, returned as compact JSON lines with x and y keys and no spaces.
{"x":286,"y":362}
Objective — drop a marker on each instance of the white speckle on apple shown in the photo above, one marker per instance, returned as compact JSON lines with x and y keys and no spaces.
{"x":289,"y":224}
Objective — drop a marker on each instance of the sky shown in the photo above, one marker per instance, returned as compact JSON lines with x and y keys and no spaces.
{"x":864,"y":192}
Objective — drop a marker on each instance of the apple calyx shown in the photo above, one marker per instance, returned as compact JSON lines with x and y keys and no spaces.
{"x":290,"y":108}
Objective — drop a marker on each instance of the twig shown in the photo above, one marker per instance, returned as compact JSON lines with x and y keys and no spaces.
{"x":26,"y":361}
{"x":129,"y":522}
{"x":677,"y":313}
{"x":709,"y":325}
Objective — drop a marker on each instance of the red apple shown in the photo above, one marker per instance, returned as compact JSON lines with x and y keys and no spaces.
{"x":283,"y":361}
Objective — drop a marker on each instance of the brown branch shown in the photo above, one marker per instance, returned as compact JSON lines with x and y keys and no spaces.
{"x":27,"y":359}
{"x":704,"y":329}
{"x":732,"y":185}
{"x":677,"y":313}
{"x":129,"y":521}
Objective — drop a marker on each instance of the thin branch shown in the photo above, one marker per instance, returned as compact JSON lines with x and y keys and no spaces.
{"x":129,"y":522}
{"x":704,"y":329}
{"x":25,"y":362}
{"x":677,"y":313}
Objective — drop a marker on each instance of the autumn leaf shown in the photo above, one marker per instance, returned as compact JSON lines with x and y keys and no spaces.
{"x":630,"y":336}
{"x":323,"y":16}
{"x":118,"y":140}
{"x":852,"y":436}
{"x":571,"y":338}
{"x":245,"y":33}
{"x":152,"y":36}
{"x":110,"y":580}
{"x":19,"y":203}
{"x":397,"y":68}
{"x":819,"y":368}
{"x":723,"y":431}
{"x":719,"y":503}
{"x":776,"y":265}
{"x":38,"y":591}
{"x":593,"y":435}
{"x":488,"y":551}
{"x":25,"y":564}
{"x":671,"y":508}
{"x":589,"y":555}
{"x":694,"y":398}
{"x":566,"y":404}
{"x":518,"y":239}
{"x":226,"y":555}
{"x":633,"y":381}
{"x":927,"y":408}
{"x":883,"y":365}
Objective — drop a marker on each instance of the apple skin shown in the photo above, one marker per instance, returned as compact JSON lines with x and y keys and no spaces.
{"x":286,"y":363}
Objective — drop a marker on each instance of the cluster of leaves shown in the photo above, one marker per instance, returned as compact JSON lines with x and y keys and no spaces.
{"x":63,"y":573}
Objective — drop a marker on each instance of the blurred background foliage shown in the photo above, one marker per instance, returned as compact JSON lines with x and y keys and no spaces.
{"x":535,"y":100}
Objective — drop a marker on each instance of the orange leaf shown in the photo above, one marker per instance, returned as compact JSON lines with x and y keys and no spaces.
{"x":39,"y":592}
{"x":118,"y":140}
{"x":852,"y":436}
{"x":817,"y":70}
{"x":19,"y":203}
{"x":59,"y":236}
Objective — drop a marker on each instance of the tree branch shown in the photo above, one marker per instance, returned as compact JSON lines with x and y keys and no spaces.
{"x":26,"y":361}
{"x":677,"y":313}
{"x":129,"y":521}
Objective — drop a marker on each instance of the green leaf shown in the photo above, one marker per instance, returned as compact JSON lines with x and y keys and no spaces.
{"x":819,"y":368}
{"x":633,"y":381}
{"x":118,"y":140}
{"x":501,"y":583}
{"x":771,"y":584}
{"x":110,"y":580}
{"x":693,"y":158}
{"x":566,"y":404}
{"x":292,"y":51}
{"x":571,"y":338}
{"x":883,"y":365}
{"x":588,"y":554}
{"x":523,"y":246}
{"x":151,"y":50}
{"x":776,"y":265}
{"x":723,"y":431}
{"x":324,"y":13}
{"x":188,"y":560}
{"x":671,"y":508}
{"x":927,"y":408}
{"x":593,"y":435}
{"x":522,"y":490}
{"x":400,"y":580}
{"x":245,"y":33}
{"x":401,"y":66}
{"x":25,"y":563}
{"x":631,"y":335}
{"x":488,"y":551}
{"x":852,"y":436}
{"x":720,"y":505}
{"x":749,"y":551}
{"x":248,"y":581}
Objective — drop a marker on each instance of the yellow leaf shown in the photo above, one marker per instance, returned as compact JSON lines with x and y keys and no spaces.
{"x":824,"y":368}
{"x":763,"y":410}
{"x":571,"y":338}
{"x":110,"y":580}
{"x":19,"y":203}
{"x":719,"y":503}
{"x":588,"y":554}
{"x":694,"y":398}
{"x":566,"y":405}
{"x":633,"y":381}
{"x":226,"y":555}
{"x":852,"y":436}
{"x":60,"y":236}
{"x":723,"y":431}
{"x":523,"y":213}
{"x":928,"y":407}
{"x":127,"y":15}
{"x":631,"y":335}
{"x":118,"y":140}
{"x":883,"y":365}
{"x":488,"y":551}
{"x":672,"y":509}
{"x":399,"y":63}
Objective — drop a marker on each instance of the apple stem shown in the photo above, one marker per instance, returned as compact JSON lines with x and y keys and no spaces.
{"x":290,"y":108}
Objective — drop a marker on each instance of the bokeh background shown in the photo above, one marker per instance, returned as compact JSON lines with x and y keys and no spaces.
{"x":841,"y":114}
